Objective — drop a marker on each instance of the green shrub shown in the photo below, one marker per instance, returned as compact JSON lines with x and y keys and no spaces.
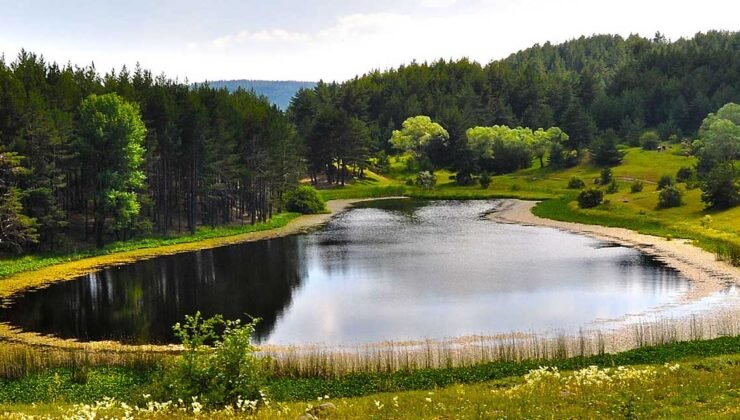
{"x":665,"y":181}
{"x":217,"y":368}
{"x":684,"y":174}
{"x":485,"y":180}
{"x":613,"y":187}
{"x":637,"y":186}
{"x":576,"y":183}
{"x":426,"y":180}
{"x":304,"y":199}
{"x":650,"y":140}
{"x":606,"y":176}
{"x":721,"y":187}
{"x":590,"y":198}
{"x":670,"y":196}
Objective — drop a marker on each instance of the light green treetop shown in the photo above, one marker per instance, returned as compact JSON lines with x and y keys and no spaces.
{"x":416,"y":133}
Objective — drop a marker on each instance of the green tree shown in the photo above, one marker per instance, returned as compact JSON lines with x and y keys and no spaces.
{"x":16,"y":229}
{"x":604,"y":149}
{"x":112,"y":143}
{"x":417,"y":134}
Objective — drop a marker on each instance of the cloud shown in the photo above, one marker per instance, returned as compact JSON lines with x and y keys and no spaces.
{"x":356,"y":43}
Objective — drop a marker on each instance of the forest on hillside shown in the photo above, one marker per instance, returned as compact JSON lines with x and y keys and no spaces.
{"x":87,"y":158}
{"x":589,"y":87}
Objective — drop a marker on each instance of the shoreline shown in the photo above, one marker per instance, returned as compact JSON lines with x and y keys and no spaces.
{"x":706,"y":274}
{"x":69,"y":270}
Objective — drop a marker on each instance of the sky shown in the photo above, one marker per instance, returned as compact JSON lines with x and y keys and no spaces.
{"x":329,"y":40}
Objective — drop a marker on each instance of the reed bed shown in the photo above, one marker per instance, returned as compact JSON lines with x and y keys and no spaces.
{"x":335,"y":361}
{"x":318,"y":361}
{"x":20,"y":360}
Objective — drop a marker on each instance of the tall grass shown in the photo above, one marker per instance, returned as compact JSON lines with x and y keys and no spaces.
{"x":333,"y":362}
{"x":20,"y":360}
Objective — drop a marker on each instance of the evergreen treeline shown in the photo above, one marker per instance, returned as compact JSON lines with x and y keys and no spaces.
{"x":279,"y":92}
{"x":207,"y":157}
{"x":589,"y":87}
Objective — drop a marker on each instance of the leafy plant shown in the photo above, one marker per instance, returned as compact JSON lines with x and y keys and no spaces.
{"x":670,"y":196}
{"x":613,"y":187}
{"x":219,"y":364}
{"x":576,"y":183}
{"x":665,"y":181}
{"x":304,"y":199}
{"x":606,"y":176}
{"x":426,"y":180}
{"x":637,"y":186}
{"x":589,"y":198}
{"x":685,"y":174}
{"x":484,"y":180}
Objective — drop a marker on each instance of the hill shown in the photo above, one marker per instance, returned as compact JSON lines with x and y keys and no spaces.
{"x":279,"y":92}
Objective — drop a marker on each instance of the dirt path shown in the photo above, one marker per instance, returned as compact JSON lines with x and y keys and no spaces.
{"x":707,"y":275}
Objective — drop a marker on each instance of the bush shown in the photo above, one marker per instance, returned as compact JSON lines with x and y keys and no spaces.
{"x":720,"y":187}
{"x":576,"y":183}
{"x":305,"y":200}
{"x":606,"y":176}
{"x":650,"y":140}
{"x":665,"y":181}
{"x":216,"y":368}
{"x":484,"y":180}
{"x":684,"y":174}
{"x":426,"y":180}
{"x":464,"y":178}
{"x":670,"y":196}
{"x":636,"y":186}
{"x":613,"y":187}
{"x":590,"y":198}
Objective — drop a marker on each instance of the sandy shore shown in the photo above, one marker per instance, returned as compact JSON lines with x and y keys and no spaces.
{"x":707,"y":274}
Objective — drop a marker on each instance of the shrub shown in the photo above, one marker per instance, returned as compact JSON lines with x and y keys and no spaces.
{"x":426,"y":180}
{"x":665,"y":181}
{"x":636,"y":186}
{"x":720,"y":187}
{"x":304,"y":199}
{"x":650,"y":140}
{"x":590,"y":198}
{"x":576,"y":183}
{"x":606,"y":176}
{"x":464,"y":178}
{"x":613,"y":187}
{"x":217,"y":368}
{"x":484,"y":180}
{"x":670,"y":196}
{"x":684,"y":174}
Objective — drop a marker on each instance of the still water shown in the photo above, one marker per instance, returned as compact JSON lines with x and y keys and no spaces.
{"x":385,"y":270}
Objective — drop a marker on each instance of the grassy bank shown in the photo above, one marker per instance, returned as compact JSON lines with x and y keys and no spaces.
{"x":680,"y":379}
{"x":12,"y":266}
{"x":714,"y":231}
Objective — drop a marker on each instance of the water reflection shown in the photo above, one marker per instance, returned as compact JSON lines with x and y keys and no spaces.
{"x":395,"y":269}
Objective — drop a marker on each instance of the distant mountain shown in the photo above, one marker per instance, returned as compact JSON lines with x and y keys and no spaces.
{"x":279,"y":92}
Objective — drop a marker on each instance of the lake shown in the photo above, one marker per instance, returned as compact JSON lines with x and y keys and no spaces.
{"x":384,"y":270}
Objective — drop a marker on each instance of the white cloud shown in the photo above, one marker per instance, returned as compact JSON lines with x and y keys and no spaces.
{"x":358,"y":43}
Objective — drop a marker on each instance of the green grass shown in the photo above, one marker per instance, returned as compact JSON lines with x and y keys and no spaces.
{"x":637,"y":211}
{"x":686,"y":380}
{"x":12,"y":266}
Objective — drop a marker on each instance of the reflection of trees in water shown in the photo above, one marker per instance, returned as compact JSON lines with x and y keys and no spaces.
{"x":139,"y":303}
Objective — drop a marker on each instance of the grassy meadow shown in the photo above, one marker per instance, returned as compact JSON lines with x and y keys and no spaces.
{"x":687,"y":380}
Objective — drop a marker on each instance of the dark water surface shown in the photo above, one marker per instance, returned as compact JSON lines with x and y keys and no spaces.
{"x":388,"y":270}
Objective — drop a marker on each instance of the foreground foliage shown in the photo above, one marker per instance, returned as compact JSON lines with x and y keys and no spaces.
{"x":696,"y":388}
